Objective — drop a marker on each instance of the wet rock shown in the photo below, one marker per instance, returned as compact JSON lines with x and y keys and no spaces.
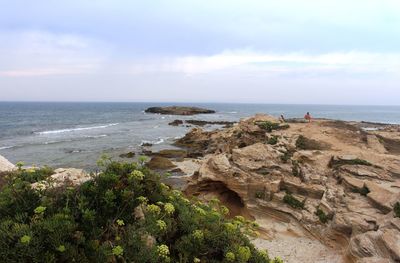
{"x":127,"y":155}
{"x":160,"y":163}
{"x":176,"y":123}
{"x":172,"y":153}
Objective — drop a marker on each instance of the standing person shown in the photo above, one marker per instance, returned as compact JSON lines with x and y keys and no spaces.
{"x":282,"y":119}
{"x":308,"y":117}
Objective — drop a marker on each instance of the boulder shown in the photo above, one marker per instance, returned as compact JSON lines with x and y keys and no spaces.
{"x":63,"y":176}
{"x":5,"y":165}
{"x":176,"y":123}
{"x":160,"y":163}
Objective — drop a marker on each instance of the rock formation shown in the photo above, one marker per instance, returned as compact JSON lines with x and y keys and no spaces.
{"x":327,"y":181}
{"x":5,"y":165}
{"x":178,"y":110}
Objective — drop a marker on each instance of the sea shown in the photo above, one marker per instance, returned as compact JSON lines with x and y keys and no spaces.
{"x":76,"y":134}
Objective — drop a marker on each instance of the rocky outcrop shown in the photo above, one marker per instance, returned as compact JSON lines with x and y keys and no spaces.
{"x":179,"y":110}
{"x":63,"y":176}
{"x":336,"y":185}
{"x":5,"y":165}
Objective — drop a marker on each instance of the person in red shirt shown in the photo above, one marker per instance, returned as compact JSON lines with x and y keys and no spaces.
{"x":308,"y":117}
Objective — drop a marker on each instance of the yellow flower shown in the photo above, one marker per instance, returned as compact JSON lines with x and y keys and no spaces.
{"x":169,"y":208}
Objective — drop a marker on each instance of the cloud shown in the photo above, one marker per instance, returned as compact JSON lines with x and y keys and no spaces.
{"x":261,"y":62}
{"x":40,"y":53}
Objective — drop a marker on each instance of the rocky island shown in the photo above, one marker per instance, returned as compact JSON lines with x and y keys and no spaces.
{"x":179,"y":110}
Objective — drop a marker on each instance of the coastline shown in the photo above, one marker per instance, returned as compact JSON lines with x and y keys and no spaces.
{"x":251,"y":171}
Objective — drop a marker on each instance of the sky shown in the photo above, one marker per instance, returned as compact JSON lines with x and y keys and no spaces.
{"x":249,"y":51}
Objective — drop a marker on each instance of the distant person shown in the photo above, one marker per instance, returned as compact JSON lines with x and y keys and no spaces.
{"x":282,"y":119}
{"x":308,"y":117}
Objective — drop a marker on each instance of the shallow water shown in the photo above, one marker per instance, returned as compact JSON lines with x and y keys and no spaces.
{"x":75,"y":134}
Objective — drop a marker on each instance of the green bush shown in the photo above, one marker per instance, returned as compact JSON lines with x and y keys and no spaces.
{"x":273,"y":140}
{"x":396,"y":209}
{"x":269,"y":126}
{"x":324,"y":218}
{"x":292,"y":201}
{"x":124,"y":214}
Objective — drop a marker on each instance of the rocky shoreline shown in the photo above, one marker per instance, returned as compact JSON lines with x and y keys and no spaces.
{"x":330,"y":185}
{"x":326,"y":191}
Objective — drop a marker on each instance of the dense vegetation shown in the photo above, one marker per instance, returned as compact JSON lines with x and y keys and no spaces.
{"x":125,"y":214}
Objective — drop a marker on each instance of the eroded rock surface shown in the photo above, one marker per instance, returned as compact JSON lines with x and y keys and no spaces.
{"x":328,"y":183}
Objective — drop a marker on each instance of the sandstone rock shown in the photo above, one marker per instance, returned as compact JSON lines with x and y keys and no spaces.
{"x":313,"y":191}
{"x":160,"y":163}
{"x":380,"y":197}
{"x":64,"y":176}
{"x":138,"y":213}
{"x":391,"y":239}
{"x":5,"y":165}
{"x":353,"y":184}
{"x":367,"y":245}
{"x":366,"y":171}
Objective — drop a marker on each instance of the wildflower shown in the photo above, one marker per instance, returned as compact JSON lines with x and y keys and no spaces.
{"x":169,"y":208}
{"x":161,"y":225}
{"x":224,"y":210}
{"x":25,"y":239}
{"x":142,"y":199}
{"x":200,"y":211}
{"x":196,"y":260}
{"x":230,"y":227}
{"x":155,"y":209}
{"x":163,"y":252}
{"x":61,"y":248}
{"x":118,"y":251}
{"x":198,"y":234}
{"x":39,"y":210}
{"x":137,"y":175}
{"x":243,"y":254}
{"x":230,"y":257}
{"x":120,"y":222}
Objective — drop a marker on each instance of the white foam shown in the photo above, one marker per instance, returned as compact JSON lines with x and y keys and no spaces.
{"x":76,"y":129}
{"x":159,"y":141}
{"x":6,"y":147}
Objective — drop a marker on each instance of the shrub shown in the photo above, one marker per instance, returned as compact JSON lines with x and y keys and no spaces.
{"x":273,"y":140}
{"x":99,"y":221}
{"x":396,"y":209}
{"x":324,"y":218}
{"x":292,"y":201}
{"x":269,"y":126}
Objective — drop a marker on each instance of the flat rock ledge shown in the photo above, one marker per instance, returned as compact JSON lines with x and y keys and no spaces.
{"x":179,"y":110}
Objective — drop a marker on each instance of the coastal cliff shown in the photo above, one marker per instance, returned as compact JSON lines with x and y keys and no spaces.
{"x":332,"y":182}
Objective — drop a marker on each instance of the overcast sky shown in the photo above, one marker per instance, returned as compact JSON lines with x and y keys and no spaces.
{"x":264,"y":51}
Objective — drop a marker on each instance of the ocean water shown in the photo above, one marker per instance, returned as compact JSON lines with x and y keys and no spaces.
{"x":76,"y":134}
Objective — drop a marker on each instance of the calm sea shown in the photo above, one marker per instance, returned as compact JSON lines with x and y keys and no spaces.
{"x":75,"y":134}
